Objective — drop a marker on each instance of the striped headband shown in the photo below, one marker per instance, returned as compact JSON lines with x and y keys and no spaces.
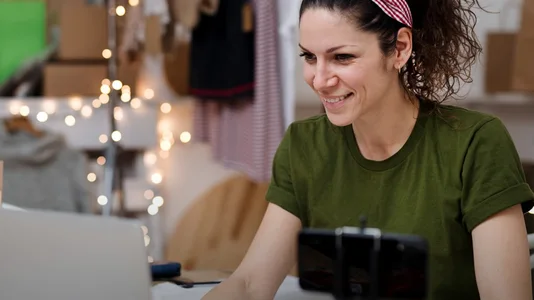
{"x":397,"y":10}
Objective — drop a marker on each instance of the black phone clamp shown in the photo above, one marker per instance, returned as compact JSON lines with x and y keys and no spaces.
{"x":342,"y":285}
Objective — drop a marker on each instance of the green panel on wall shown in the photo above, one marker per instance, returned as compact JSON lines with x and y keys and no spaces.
{"x":22,"y":33}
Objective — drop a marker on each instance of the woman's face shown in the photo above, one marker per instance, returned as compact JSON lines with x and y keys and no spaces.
{"x":344,"y":66}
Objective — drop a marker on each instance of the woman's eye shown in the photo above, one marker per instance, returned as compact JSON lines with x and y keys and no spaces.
{"x":307,"y":56}
{"x":344,"y":57}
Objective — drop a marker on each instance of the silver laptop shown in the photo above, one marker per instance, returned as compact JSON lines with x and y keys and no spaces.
{"x":58,"y":256}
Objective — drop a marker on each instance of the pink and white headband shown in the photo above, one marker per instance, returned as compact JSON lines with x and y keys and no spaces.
{"x":397,"y":10}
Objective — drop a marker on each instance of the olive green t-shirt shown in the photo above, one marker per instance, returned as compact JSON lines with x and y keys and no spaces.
{"x":458,"y":168}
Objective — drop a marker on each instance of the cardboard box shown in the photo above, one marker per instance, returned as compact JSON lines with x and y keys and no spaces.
{"x":83,"y":31}
{"x":499,"y":48}
{"x":523,"y":71}
{"x":53,"y":10}
{"x":65,"y":80}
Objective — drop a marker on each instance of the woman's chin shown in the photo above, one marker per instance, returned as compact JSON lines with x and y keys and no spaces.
{"x":339,"y":120}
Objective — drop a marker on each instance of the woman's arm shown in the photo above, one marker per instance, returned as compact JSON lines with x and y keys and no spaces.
{"x":502,"y":259}
{"x":267,"y":262}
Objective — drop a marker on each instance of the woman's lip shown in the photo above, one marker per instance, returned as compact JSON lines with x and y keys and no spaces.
{"x":332,"y":97}
{"x":343,"y":97}
{"x":333,"y":106}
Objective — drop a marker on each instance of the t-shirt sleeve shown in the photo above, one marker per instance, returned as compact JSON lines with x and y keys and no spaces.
{"x":281,"y":189}
{"x":492,"y":175}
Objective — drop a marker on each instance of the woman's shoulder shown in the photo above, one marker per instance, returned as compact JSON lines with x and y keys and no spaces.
{"x":464,"y":129}
{"x":461,"y":120}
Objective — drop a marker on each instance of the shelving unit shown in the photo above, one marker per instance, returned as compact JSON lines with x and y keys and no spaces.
{"x":497,"y":101}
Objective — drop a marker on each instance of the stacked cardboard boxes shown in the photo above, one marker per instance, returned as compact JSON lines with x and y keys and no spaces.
{"x":508,"y":54}
{"x":79,"y":66}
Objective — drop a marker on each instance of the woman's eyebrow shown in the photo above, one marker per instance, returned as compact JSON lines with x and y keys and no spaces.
{"x":330,"y":50}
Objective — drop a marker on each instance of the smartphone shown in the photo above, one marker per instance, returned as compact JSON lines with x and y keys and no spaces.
{"x":401,"y":264}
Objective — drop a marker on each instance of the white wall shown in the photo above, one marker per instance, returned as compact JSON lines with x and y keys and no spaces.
{"x":189,"y":170}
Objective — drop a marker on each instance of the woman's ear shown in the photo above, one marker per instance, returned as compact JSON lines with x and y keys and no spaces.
{"x":403,"y":48}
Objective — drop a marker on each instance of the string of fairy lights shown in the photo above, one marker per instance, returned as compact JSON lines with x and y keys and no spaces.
{"x":70,"y":111}
{"x":166,"y":138}
{"x":80,"y":108}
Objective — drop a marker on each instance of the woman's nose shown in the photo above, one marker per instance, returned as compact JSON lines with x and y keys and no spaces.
{"x":324,"y":79}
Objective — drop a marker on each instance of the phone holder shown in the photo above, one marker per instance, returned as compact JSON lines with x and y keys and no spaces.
{"x":342,"y":286}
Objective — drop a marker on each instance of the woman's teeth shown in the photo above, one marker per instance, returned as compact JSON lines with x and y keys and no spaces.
{"x":334,"y":100}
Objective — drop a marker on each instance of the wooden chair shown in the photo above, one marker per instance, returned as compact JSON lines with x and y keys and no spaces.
{"x":216,"y":230}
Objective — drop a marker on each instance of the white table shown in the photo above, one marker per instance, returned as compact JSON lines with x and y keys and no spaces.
{"x":289,"y":290}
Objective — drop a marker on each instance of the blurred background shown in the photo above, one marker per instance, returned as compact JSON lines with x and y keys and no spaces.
{"x":170,"y":111}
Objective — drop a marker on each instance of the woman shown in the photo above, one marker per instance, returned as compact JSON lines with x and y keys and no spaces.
{"x":389,"y":149}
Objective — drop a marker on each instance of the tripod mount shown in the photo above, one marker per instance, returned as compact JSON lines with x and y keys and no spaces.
{"x":342,"y":285}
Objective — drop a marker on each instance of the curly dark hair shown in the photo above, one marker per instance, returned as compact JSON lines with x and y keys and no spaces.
{"x":445,"y":45}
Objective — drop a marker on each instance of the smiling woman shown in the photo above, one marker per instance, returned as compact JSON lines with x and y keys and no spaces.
{"x":387,"y":148}
{"x":426,"y":56}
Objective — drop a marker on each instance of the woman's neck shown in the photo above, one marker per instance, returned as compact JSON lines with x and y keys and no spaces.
{"x":383,"y":132}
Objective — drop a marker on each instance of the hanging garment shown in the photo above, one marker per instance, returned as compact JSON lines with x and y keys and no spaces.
{"x":137,"y":21}
{"x":222,"y":55}
{"x":288,"y":21}
{"x":245,"y":134}
{"x":133,"y":34}
{"x":43,"y":173}
{"x":187,"y":12}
